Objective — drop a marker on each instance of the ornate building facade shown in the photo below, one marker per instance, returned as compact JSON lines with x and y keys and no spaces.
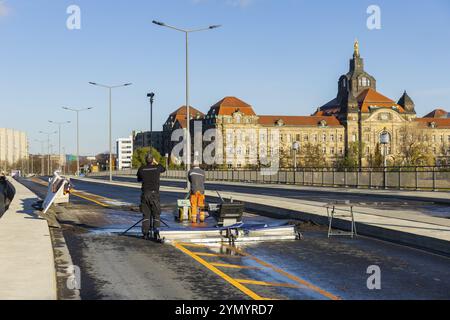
{"x":355,"y":119}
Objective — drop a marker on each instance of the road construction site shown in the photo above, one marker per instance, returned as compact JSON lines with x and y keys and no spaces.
{"x":115,"y":266}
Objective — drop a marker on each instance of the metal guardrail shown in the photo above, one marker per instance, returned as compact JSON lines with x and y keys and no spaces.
{"x":404,"y":178}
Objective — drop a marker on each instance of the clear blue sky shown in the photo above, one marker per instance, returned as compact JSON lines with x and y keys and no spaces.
{"x":281,"y":56}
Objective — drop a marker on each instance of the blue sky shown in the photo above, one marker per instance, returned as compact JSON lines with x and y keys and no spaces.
{"x":281,"y":56}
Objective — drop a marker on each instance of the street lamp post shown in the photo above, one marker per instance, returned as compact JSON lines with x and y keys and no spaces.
{"x":77,"y":111}
{"x":59,"y":124}
{"x":295,"y":147}
{"x":385,"y":139}
{"x":48,"y":148}
{"x":188,"y":118}
{"x":151,"y":96}
{"x":110,"y":119}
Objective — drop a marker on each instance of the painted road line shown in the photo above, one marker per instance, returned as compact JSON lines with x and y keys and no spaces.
{"x":221,"y":274}
{"x":233,"y":266}
{"x":192,"y":245}
{"x":286,"y":274}
{"x":268,"y":284}
{"x":204,"y":254}
{"x":76,"y":194}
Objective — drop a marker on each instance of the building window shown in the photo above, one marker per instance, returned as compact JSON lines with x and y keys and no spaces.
{"x":324,"y":138}
{"x":354,"y":138}
{"x":306,"y":138}
{"x":332,"y":137}
{"x":315,"y":138}
{"x":324,"y":150}
{"x":332,"y":150}
{"x":341,"y":138}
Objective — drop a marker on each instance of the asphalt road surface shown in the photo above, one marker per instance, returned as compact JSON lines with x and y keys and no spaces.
{"x":127,"y":267}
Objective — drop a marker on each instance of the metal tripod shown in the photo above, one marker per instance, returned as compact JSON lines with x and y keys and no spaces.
{"x":152,"y":228}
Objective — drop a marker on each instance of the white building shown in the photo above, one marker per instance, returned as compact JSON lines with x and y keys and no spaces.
{"x":13,"y":147}
{"x":124,"y":147}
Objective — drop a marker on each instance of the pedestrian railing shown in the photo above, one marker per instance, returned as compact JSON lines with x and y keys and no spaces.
{"x":400,"y":178}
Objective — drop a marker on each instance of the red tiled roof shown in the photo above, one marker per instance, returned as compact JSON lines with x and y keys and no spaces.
{"x":370,"y":97}
{"x":181,"y":123}
{"x":299,"y":120}
{"x":229,"y":105}
{"x":438,"y":113}
{"x":441,"y":123}
{"x":181,"y":111}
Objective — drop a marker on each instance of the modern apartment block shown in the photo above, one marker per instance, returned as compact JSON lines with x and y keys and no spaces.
{"x":124,"y":147}
{"x":13,"y":146}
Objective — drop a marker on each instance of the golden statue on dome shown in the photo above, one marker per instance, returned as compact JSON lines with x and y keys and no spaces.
{"x":356,"y":46}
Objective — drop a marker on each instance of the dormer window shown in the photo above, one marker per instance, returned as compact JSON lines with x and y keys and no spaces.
{"x":323,"y":124}
{"x":432,"y":125}
{"x":280,"y":123}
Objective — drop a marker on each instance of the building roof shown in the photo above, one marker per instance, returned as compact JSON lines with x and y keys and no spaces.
{"x":438,"y":113}
{"x":181,"y":111}
{"x":296,"y":121}
{"x":405,"y":100}
{"x":440,"y":123}
{"x":180,"y":123}
{"x":229,"y":105}
{"x":179,"y":115}
{"x":371,"y":98}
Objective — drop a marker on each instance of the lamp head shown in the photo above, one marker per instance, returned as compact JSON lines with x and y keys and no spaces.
{"x":158,"y":23}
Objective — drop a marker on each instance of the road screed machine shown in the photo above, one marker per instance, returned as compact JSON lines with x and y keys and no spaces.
{"x":222,"y":222}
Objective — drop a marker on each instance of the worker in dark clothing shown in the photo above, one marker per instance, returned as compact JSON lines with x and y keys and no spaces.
{"x":196,"y":178}
{"x":149,"y":175}
{"x":7,"y":193}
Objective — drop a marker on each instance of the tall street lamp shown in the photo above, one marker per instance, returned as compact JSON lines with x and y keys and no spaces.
{"x":151,"y":97}
{"x":295,"y":149}
{"x":110,"y":120}
{"x":385,"y":139}
{"x":78,"y":132}
{"x":59,"y":124}
{"x":48,"y":148}
{"x":188,"y":118}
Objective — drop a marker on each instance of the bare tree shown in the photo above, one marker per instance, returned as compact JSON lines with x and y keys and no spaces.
{"x":414,"y":147}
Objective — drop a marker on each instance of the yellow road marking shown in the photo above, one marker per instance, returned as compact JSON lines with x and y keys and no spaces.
{"x":221,"y":274}
{"x":204,"y":254}
{"x":76,"y":194}
{"x":193,"y":245}
{"x":268,"y":284}
{"x":232,"y":266}
{"x":288,"y":275}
